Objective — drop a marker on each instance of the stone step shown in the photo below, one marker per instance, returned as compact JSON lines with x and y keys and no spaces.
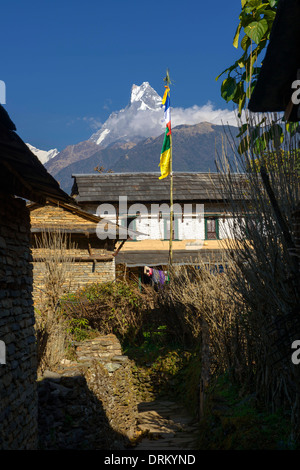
{"x":165,"y":425}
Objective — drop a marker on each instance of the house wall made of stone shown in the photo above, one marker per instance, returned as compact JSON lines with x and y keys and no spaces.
{"x":77,"y":273}
{"x":18,"y":391}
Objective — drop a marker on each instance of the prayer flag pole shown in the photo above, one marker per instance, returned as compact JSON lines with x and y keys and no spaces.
{"x":168,"y":83}
{"x":166,"y":157}
{"x":171,"y":209}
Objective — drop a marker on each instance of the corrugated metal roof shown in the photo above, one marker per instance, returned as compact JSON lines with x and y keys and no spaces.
{"x":146,"y":187}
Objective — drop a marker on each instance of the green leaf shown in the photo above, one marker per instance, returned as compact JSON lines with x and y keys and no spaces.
{"x":236,"y":36}
{"x":242,"y":101}
{"x":276,"y":134}
{"x":254,"y":3}
{"x":228,"y":88}
{"x":256,"y":30}
{"x":292,"y":127}
{"x":244,"y":145}
{"x":255,"y":133}
{"x":261,"y":143}
{"x":239,"y":92}
{"x":245,"y":43}
{"x":250,"y":89}
{"x":226,"y":70}
{"x":242,"y":130}
{"x":270,"y":15}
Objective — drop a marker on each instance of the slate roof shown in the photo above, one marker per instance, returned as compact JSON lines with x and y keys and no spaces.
{"x":21,"y":172}
{"x":88,"y":225}
{"x":273,"y":90}
{"x":146,"y":187}
{"x":161,"y":257}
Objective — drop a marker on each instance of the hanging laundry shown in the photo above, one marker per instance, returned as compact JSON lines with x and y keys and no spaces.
{"x":155,"y":276}
{"x":161,"y":277}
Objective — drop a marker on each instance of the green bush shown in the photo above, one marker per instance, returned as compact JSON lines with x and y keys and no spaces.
{"x":117,"y":308}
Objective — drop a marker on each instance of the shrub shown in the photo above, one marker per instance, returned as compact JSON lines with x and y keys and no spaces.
{"x":55,"y":248}
{"x":116,"y":307}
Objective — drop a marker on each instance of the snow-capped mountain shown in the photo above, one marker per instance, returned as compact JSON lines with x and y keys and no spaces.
{"x":142,"y":118}
{"x":43,"y":155}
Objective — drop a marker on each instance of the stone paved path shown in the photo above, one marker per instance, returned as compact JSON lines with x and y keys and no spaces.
{"x":166,"y":426}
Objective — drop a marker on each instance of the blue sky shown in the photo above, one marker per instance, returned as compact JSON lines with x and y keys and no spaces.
{"x":68,"y":64}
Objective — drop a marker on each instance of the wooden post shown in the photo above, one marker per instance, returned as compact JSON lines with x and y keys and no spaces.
{"x":171,"y":209}
{"x":205,"y":367}
{"x":168,"y":82}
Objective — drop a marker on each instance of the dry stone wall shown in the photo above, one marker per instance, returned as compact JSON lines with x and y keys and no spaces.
{"x":89,"y":402}
{"x":79,"y":274}
{"x":110,"y":378}
{"x":18,"y":392}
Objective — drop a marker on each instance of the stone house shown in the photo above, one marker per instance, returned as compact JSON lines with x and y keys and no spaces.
{"x":93,"y":259}
{"x":22,"y":177}
{"x":140,"y":201}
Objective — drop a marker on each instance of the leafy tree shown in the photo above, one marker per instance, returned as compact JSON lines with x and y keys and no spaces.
{"x":255,"y":21}
{"x":252,"y":34}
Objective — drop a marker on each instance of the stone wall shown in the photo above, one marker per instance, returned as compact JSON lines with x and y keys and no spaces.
{"x":18,"y":393}
{"x":110,"y":378}
{"x":89,"y":402}
{"x":79,"y":274}
{"x":74,"y":231}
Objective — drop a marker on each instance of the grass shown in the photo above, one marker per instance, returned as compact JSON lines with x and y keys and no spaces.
{"x":173,"y":370}
{"x":232,"y":422}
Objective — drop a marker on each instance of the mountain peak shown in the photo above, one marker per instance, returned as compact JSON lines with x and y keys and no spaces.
{"x":43,"y":155}
{"x":138,"y":91}
{"x":146,"y":96}
{"x":128,"y":125}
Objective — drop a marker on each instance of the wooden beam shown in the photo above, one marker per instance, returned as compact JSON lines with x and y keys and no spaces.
{"x":80,"y":259}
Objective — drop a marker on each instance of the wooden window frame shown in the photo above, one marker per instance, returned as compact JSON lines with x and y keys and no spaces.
{"x":216,"y":225}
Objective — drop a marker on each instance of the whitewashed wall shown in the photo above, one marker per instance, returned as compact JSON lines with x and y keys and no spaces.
{"x":227,"y":229}
{"x":188,"y":229}
{"x":189,"y":225}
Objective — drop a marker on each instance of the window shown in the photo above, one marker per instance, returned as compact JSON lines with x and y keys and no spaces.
{"x":211,"y":228}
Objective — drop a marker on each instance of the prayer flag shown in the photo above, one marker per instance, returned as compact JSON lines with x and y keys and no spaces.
{"x":166,"y":148}
{"x":165,"y":155}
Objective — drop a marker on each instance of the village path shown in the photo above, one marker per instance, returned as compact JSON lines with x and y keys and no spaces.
{"x":165,"y":426}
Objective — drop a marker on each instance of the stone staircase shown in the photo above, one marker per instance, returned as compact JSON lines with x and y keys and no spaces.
{"x":99,"y":386}
{"x":165,"y":425}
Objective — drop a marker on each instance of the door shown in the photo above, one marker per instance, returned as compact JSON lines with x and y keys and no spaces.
{"x":211,"y":228}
